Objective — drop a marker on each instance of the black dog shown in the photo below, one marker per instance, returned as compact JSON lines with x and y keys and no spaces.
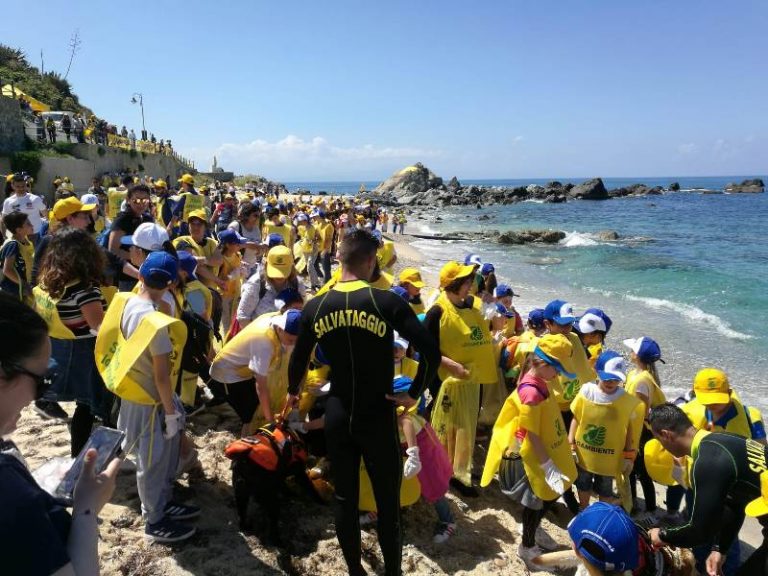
{"x":260,"y":466}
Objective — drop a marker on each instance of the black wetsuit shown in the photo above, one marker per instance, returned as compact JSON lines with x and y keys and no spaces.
{"x":725,"y":477}
{"x":353,"y":323}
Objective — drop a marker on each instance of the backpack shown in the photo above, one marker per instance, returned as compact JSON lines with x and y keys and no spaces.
{"x":194,"y":357}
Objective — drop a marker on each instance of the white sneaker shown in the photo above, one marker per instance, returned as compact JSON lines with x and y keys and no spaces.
{"x":529,"y":556}
{"x":443,"y":532}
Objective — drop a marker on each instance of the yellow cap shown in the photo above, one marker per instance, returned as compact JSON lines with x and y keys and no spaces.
{"x":759,"y":506}
{"x":711,"y":387}
{"x":279,"y":262}
{"x":200,"y":214}
{"x":411,"y":276}
{"x":160,"y":184}
{"x":69,"y":206}
{"x":9,"y":177}
{"x":452,"y":271}
{"x":659,"y":463}
{"x":187,"y":179}
{"x":556,"y":350}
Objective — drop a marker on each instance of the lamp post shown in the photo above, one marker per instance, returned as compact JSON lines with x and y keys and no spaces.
{"x":140,"y":101}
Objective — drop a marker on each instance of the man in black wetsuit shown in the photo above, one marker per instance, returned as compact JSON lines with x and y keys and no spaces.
{"x":353,"y":323}
{"x":725,"y":477}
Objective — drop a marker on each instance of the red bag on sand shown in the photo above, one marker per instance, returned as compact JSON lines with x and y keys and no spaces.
{"x":234,"y":328}
{"x":436,"y":470}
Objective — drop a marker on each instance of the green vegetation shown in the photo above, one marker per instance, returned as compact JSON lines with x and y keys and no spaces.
{"x":50,"y":88}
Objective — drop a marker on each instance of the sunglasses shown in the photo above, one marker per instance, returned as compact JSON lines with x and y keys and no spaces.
{"x":42,"y":381}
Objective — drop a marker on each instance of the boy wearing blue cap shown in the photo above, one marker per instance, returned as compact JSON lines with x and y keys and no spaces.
{"x":593,"y":326}
{"x":149,"y":344}
{"x":601,"y":431}
{"x":503,"y":294}
{"x":230,"y":272}
{"x":605,"y":539}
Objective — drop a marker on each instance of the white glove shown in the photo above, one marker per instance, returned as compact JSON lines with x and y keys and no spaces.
{"x":678,"y":473}
{"x":297,"y":427}
{"x":553,"y":476}
{"x":172,"y":425}
{"x":412,"y":464}
{"x":626,"y":466}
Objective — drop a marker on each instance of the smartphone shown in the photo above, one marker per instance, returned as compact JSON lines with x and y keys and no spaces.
{"x":106,"y":442}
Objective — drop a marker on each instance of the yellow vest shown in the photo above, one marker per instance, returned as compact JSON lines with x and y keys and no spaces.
{"x":284,"y":230}
{"x":204,"y":250}
{"x":307,"y":238}
{"x":406,"y":367}
{"x":231,"y":263}
{"x":635,"y":377}
{"x":564,"y":389}
{"x":115,"y":356}
{"x":192,"y":202}
{"x":277,"y":378}
{"x":739,"y":425}
{"x":546,"y":422}
{"x":46,"y":307}
{"x":27,"y":251}
{"x":602,"y":432}
{"x":197,"y":286}
{"x":466,"y":339}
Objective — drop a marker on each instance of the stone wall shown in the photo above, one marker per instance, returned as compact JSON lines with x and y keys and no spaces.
{"x":11,"y":126}
{"x":87,"y":163}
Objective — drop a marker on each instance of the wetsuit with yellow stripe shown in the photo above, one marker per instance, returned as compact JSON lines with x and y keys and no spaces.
{"x":353,"y":323}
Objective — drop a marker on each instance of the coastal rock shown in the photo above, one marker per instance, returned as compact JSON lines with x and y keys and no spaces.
{"x":675,"y":186}
{"x":593,"y":189}
{"x":531,"y":237}
{"x":453,"y":185}
{"x":555,"y":199}
{"x":753,"y":186}
{"x":608,"y":235}
{"x":409,"y":181}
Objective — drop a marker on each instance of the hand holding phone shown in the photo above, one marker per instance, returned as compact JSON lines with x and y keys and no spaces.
{"x":93,"y":490}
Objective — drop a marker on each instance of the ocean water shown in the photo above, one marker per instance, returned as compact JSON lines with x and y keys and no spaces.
{"x":689,"y":269}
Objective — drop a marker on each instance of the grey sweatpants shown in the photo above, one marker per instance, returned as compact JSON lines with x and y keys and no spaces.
{"x":156,"y":457}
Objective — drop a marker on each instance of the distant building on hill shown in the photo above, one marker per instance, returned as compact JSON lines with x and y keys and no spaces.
{"x":218,"y":173}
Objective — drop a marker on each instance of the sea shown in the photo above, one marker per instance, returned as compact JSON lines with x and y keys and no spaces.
{"x":690,"y":268}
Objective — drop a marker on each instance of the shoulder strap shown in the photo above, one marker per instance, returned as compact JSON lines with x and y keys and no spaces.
{"x":262,"y":287}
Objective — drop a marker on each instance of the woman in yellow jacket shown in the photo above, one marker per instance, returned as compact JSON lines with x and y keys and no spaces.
{"x":468,"y":361}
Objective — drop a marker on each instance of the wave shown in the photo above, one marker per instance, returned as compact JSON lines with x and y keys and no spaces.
{"x":574,"y":239}
{"x":534,"y":201}
{"x":694,"y":314}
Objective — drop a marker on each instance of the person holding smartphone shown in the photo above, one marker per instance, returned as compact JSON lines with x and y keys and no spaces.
{"x":38,"y":536}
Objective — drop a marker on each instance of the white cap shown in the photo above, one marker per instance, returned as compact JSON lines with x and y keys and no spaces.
{"x":400,"y":341}
{"x":89,"y":199}
{"x":150,"y":236}
{"x":589,"y":323}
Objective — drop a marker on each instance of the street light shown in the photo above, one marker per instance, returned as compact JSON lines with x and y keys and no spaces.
{"x":140,"y":101}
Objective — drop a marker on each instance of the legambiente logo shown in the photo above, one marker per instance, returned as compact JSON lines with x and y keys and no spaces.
{"x":594,"y":435}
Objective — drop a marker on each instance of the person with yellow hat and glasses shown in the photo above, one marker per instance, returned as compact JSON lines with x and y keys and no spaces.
{"x":149,"y":345}
{"x":726,"y":476}
{"x":529,"y":446}
{"x":468,"y":361}
{"x":188,"y":200}
{"x":410,"y":279}
{"x":164,"y":205}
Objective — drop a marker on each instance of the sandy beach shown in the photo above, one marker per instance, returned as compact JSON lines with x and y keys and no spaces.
{"x":486,"y":541}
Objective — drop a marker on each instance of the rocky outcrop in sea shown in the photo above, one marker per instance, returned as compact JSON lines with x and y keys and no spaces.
{"x":417,"y":185}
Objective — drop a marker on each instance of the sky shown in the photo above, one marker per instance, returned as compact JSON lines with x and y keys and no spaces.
{"x":350,"y":90}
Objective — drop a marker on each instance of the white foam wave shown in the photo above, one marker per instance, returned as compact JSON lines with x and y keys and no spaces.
{"x":693,"y":314}
{"x":574,"y":239}
{"x":534,"y":201}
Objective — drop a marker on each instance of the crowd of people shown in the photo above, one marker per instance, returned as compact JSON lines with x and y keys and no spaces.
{"x":296,"y":313}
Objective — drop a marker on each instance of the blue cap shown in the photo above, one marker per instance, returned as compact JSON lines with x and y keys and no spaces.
{"x":288,"y":321}
{"x":287,"y":296}
{"x":536,"y":317}
{"x":321,"y":213}
{"x":159,"y":270}
{"x":275,"y":239}
{"x":377,"y":234}
{"x":231,"y":237}
{"x":559,"y":312}
{"x":400,"y":291}
{"x":504,"y":311}
{"x":610,"y":365}
{"x":487,"y":268}
{"x":503,"y":290}
{"x":472,"y":259}
{"x":401,"y":384}
{"x":593,"y":320}
{"x":646,"y":349}
{"x":188,"y":263}
{"x":610,"y":530}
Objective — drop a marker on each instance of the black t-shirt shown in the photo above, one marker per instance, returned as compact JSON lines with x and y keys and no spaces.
{"x":725,"y":477}
{"x":33,"y":528}
{"x":127,"y":222}
{"x":353,"y":323}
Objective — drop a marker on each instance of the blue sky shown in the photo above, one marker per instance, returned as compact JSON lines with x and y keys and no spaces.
{"x":350,"y":90}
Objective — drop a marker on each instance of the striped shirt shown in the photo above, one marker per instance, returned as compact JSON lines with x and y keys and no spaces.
{"x":69,"y":307}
